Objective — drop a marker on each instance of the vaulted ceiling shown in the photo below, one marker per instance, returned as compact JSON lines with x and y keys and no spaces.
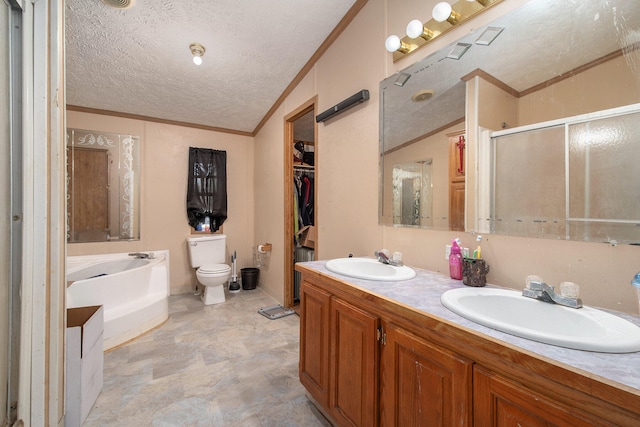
{"x":137,"y":61}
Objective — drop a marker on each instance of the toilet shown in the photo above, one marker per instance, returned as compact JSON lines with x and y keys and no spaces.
{"x":208,"y":255}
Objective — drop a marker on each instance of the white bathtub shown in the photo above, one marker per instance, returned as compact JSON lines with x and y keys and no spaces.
{"x":133,"y":292}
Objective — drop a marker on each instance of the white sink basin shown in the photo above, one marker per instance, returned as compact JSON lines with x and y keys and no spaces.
{"x":369,"y":269}
{"x":508,"y":311}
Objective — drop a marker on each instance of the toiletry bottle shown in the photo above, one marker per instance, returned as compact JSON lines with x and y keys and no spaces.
{"x":455,"y":261}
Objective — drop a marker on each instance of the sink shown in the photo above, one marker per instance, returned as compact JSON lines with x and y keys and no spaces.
{"x":508,"y":311}
{"x":369,"y":269}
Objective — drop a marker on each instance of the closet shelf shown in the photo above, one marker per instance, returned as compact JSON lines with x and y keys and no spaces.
{"x":303,"y":166}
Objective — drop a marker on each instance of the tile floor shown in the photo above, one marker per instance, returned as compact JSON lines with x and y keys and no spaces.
{"x":217,"y":365}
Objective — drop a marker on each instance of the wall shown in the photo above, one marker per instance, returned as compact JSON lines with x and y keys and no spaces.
{"x":347,"y":177}
{"x":164,"y":159}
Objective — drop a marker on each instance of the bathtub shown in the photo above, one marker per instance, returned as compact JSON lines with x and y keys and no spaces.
{"x":134,"y":292}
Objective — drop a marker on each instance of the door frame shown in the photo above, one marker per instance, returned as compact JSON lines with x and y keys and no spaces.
{"x":289,"y":247}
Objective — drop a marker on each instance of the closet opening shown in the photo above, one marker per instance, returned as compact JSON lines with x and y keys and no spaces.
{"x":301,"y":163}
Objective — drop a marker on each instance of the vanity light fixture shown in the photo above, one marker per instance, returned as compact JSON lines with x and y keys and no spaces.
{"x":417,"y":29}
{"x":197,"y":50}
{"x":444,"y":12}
{"x":393,"y":43}
{"x":445,"y":17}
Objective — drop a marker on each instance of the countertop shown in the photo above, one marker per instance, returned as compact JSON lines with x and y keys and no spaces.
{"x":423,"y":293}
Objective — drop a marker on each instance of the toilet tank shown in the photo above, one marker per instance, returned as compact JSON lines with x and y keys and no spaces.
{"x":210,"y":249}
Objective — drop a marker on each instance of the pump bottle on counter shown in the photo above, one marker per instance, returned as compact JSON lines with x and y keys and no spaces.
{"x":455,"y":261}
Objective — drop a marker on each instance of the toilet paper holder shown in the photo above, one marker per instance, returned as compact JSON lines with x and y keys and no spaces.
{"x":264,"y":248}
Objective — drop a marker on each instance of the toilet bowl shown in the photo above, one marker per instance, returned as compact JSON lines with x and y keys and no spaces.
{"x":213,"y":277}
{"x":207,"y":255}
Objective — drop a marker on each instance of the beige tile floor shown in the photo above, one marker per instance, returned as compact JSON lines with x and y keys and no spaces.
{"x":217,"y":365}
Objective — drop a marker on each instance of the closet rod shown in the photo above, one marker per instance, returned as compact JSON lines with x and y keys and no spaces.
{"x":304,"y":168}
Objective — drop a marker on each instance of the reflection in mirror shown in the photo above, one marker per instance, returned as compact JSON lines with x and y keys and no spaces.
{"x":412,"y":194}
{"x":577,"y":180}
{"x":103,"y":186}
{"x":541,"y":67}
{"x":434,"y":194}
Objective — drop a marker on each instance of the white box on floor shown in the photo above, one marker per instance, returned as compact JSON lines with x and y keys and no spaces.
{"x":84,"y":362}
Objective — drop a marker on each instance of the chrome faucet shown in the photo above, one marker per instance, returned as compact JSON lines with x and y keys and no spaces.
{"x":386,"y":260}
{"x":141,"y":255}
{"x":543,"y":292}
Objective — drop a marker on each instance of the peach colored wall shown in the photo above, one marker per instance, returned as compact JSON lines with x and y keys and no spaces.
{"x":165,"y":151}
{"x":268,"y":214}
{"x":347,"y":179}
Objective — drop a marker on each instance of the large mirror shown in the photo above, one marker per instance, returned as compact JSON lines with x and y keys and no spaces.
{"x":544,"y":61}
{"x":103,"y":186}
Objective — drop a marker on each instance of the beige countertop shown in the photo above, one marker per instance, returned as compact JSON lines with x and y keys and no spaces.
{"x":423,"y":293}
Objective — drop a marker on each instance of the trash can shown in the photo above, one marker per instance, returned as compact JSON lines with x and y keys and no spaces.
{"x":249,"y":278}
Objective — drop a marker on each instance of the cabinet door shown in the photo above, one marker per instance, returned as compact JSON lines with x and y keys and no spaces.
{"x":499,"y":402}
{"x":314,"y":342}
{"x":354,"y":358}
{"x":421,"y":384}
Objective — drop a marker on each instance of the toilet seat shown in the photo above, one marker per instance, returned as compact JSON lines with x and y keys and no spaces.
{"x":214,"y":269}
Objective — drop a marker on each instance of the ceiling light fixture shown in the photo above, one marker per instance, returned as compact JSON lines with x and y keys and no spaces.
{"x":402,"y":79}
{"x":423,"y":95}
{"x":489,"y":35}
{"x":458,"y":50}
{"x":119,"y":4}
{"x":445,"y":17}
{"x":197,"y":50}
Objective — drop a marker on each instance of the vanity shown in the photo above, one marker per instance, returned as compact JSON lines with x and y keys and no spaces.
{"x":390,"y":354}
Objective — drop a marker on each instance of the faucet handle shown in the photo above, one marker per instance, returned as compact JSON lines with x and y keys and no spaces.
{"x":535,"y":280}
{"x":569,"y":289}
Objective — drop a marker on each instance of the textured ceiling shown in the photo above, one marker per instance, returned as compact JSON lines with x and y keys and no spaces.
{"x":137,"y":61}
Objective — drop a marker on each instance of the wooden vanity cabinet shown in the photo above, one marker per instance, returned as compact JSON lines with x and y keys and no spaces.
{"x":347,"y":352}
{"x":338,"y":357}
{"x":353,"y":361}
{"x":499,"y":402}
{"x":314,"y":342}
{"x":368,"y":361}
{"x":421,"y":384}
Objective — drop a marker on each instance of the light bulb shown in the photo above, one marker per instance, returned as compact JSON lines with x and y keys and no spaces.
{"x":393,"y":43}
{"x":197,"y":50}
{"x":415,"y":29}
{"x":441,"y":11}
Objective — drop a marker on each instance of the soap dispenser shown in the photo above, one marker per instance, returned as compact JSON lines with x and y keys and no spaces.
{"x":455,"y":261}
